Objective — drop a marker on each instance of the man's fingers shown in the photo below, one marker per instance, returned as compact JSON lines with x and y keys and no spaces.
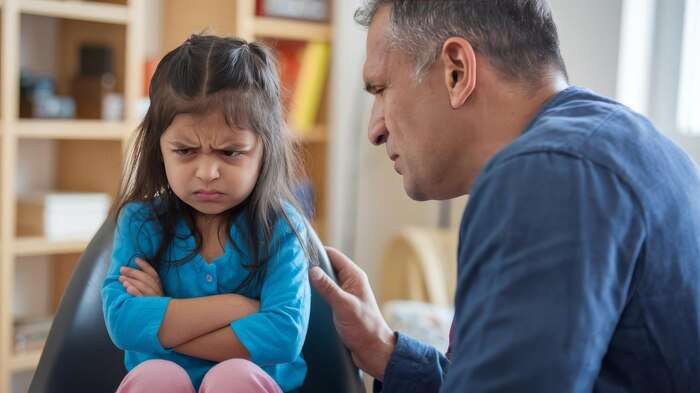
{"x":336,"y":297}
{"x":343,"y":266}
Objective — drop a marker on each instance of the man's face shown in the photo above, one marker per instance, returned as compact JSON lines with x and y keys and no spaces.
{"x":412,"y":118}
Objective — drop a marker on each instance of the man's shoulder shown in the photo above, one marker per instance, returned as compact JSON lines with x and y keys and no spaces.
{"x":585,"y":126}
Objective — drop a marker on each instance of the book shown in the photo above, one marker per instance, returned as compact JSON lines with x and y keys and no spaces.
{"x":306,"y":100}
{"x":288,"y":55}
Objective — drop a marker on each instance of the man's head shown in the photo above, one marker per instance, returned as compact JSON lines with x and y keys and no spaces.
{"x":441,"y":71}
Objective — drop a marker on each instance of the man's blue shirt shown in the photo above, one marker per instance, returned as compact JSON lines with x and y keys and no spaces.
{"x":578,"y":264}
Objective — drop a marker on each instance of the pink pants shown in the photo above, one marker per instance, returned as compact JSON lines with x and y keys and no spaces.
{"x":231,"y":376}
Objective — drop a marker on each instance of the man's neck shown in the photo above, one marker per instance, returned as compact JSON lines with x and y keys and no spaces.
{"x":503,"y":113}
{"x":519,"y":105}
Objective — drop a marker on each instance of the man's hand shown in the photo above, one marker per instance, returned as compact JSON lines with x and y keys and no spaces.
{"x":357,"y":318}
{"x":141,"y":282}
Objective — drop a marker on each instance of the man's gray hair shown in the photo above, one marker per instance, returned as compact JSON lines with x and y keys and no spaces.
{"x":518,"y":37}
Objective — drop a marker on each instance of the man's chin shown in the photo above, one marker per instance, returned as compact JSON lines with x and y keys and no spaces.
{"x":425,"y":192}
{"x":414,"y":191}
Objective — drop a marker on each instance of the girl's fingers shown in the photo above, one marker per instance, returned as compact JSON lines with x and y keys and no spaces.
{"x":138,"y":275}
{"x":143,"y":288}
{"x":148,"y":269}
{"x":131,"y":289}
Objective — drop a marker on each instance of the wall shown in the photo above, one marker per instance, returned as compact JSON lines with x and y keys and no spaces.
{"x":368,"y":203}
{"x":589,"y":33}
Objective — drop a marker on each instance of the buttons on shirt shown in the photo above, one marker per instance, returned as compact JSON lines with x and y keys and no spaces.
{"x":209,"y":278}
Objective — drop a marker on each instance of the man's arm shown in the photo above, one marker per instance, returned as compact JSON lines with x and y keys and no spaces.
{"x":548,"y":249}
{"x":403,"y":364}
{"x":413,"y":367}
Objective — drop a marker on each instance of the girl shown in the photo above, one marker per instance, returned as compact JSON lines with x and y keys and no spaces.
{"x":208,"y":284}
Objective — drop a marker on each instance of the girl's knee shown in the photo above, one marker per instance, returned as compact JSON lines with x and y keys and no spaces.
{"x":243,"y":375}
{"x":156,"y":376}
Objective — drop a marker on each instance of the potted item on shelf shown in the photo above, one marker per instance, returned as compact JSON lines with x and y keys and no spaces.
{"x":315,"y":10}
{"x":93,"y":87}
{"x":62,"y":215}
{"x":31,"y":333}
{"x":37,"y":98}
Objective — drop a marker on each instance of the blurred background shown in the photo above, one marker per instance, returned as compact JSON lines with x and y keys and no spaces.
{"x":73,"y":87}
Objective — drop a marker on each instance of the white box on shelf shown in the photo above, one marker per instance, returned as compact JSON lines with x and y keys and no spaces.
{"x":63,"y":215}
{"x":74,"y":215}
{"x":316,"y":10}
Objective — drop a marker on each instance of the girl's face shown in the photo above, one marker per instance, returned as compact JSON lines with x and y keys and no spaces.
{"x":210,"y":165}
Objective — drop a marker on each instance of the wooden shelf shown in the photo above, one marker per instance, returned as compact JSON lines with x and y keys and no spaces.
{"x":291,"y":30}
{"x":25,"y":360}
{"x":72,"y":129}
{"x":26,"y":246}
{"x":316,"y":135}
{"x":78,"y":10}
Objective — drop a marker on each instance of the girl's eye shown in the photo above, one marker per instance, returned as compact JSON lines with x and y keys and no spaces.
{"x":183,"y":152}
{"x":230,"y":153}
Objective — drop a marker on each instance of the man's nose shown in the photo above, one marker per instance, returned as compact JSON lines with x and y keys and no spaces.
{"x":377,"y":131}
{"x":378,"y":134}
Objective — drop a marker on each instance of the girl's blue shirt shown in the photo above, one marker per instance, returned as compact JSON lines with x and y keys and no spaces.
{"x":273,"y":336}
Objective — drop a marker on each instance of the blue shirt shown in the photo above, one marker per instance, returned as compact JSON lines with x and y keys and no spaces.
{"x":274,"y":336}
{"x":578,"y":264}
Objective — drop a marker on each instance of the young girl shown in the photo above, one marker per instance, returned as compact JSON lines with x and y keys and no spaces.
{"x":208,"y":284}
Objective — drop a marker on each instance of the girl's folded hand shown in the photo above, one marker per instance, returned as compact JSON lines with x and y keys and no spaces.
{"x":141,"y":282}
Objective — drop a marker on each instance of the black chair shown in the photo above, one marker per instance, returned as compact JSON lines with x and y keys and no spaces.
{"x":79,"y":355}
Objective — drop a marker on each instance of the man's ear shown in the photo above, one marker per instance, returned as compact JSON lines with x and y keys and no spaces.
{"x":459,"y":60}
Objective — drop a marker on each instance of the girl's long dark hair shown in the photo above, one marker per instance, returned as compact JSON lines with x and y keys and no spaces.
{"x":215,"y":73}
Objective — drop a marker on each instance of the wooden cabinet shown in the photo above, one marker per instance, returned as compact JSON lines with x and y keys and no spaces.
{"x":86,"y":154}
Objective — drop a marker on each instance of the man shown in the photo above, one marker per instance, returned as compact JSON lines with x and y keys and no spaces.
{"x":579,"y":255}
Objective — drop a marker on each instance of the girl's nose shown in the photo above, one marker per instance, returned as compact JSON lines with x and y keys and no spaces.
{"x":207,"y":170}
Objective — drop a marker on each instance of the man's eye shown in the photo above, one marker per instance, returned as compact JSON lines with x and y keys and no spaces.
{"x":183,"y":152}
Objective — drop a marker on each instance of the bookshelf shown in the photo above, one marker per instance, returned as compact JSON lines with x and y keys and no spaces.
{"x":71,"y":129}
{"x":266,"y":27}
{"x":87,"y":152}
{"x":238,"y":18}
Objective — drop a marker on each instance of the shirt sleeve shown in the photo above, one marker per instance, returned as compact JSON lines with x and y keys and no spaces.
{"x":277,"y":332}
{"x":132,"y":322}
{"x":548,"y":250}
{"x":413,"y":367}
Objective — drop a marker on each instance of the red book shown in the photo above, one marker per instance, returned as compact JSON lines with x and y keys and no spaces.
{"x":289,"y":55}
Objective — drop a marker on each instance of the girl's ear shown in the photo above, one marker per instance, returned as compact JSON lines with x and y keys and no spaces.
{"x":459,"y":60}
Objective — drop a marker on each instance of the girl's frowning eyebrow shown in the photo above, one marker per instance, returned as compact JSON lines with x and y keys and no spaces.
{"x":224,"y":146}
